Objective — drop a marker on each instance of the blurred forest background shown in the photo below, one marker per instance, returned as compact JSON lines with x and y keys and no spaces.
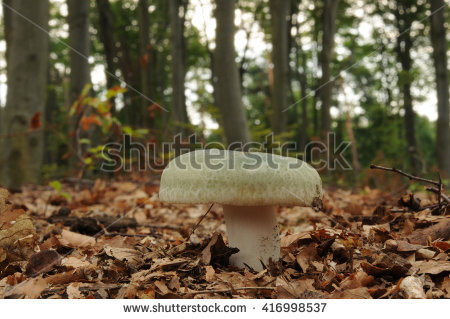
{"x":77,"y":74}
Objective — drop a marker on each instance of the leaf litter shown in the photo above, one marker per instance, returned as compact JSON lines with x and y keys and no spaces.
{"x":117,"y":240}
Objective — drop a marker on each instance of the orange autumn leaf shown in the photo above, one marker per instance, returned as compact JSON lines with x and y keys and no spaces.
{"x":35,"y":121}
{"x":86,"y":121}
{"x":144,"y":60}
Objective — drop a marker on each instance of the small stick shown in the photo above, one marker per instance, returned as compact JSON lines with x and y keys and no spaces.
{"x":199,"y":222}
{"x":441,"y":195}
{"x":226,"y":290}
{"x":126,"y":235}
{"x":411,"y":177}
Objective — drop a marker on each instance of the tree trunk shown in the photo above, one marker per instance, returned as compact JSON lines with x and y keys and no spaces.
{"x":300,"y":75}
{"x":325,"y":89}
{"x":439,"y":43}
{"x":22,"y":152}
{"x":227,"y":87}
{"x":7,"y":20}
{"x":106,"y":35}
{"x":279,"y":10}
{"x":78,"y":20}
{"x":179,"y":112}
{"x":403,"y":49}
{"x":144,"y":61}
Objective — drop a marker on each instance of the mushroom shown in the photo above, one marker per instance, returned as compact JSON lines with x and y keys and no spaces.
{"x":248,"y":185}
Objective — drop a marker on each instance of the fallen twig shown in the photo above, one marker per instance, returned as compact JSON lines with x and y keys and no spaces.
{"x":411,"y":177}
{"x":199,"y":221}
{"x":441,"y":195}
{"x":226,"y":290}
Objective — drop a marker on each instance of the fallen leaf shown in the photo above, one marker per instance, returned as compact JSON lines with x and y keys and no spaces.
{"x":216,"y":252}
{"x":76,"y":240}
{"x":210,"y":274}
{"x":291,"y":240}
{"x":356,"y":280}
{"x":412,"y":287}
{"x":306,"y":256}
{"x":73,"y":263}
{"x":29,"y":289}
{"x":17,"y":234}
{"x":42,"y":262}
{"x":357,"y":293}
{"x":73,"y":291}
{"x":433,"y":267}
{"x":440,"y":231}
{"x":128,"y":255}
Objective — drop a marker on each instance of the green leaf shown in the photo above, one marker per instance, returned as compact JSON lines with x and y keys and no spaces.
{"x":56,"y":185}
{"x":84,"y":141}
{"x":86,"y":89}
{"x":66,"y":195}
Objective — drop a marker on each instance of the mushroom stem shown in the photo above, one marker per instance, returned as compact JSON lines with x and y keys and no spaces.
{"x":254,"y":230}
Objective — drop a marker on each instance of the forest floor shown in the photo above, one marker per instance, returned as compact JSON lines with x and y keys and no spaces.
{"x":117,"y":240}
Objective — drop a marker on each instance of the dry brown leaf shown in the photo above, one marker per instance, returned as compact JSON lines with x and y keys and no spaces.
{"x":74,"y":262}
{"x":440,"y":230}
{"x":293,"y":289}
{"x":306,"y":256}
{"x":290,"y":240}
{"x":357,"y":293}
{"x":17,"y":234}
{"x":161,"y":285}
{"x":73,"y":291}
{"x":128,"y":255}
{"x":356,"y":280}
{"x":432,"y":267}
{"x":167,"y":263}
{"x":412,"y":287}
{"x":29,"y":289}
{"x":42,"y":262}
{"x":216,"y":252}
{"x":210,"y":274}
{"x":2,"y":254}
{"x":79,"y":274}
{"x":76,"y":240}
{"x":148,"y":293}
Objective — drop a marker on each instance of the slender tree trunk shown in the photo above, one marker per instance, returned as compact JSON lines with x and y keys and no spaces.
{"x":325,"y":92}
{"x":439,"y":43}
{"x":179,"y":112}
{"x":349,"y":129}
{"x":7,"y":20}
{"x":228,"y":90}
{"x":106,"y":35}
{"x":279,"y":10}
{"x":300,"y":75}
{"x":22,"y":152}
{"x":78,"y":20}
{"x":403,"y":49}
{"x":144,"y":61}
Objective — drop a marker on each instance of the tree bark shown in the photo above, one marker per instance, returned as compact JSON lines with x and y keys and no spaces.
{"x":179,"y":112}
{"x":78,"y":20}
{"x":106,"y":35}
{"x":403,"y":49}
{"x":144,"y":61}
{"x":326,"y":87}
{"x":22,"y":151}
{"x":279,"y":10}
{"x":439,"y":43}
{"x":227,"y":87}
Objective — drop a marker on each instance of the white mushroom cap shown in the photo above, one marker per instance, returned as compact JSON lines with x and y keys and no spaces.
{"x":239,"y":178}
